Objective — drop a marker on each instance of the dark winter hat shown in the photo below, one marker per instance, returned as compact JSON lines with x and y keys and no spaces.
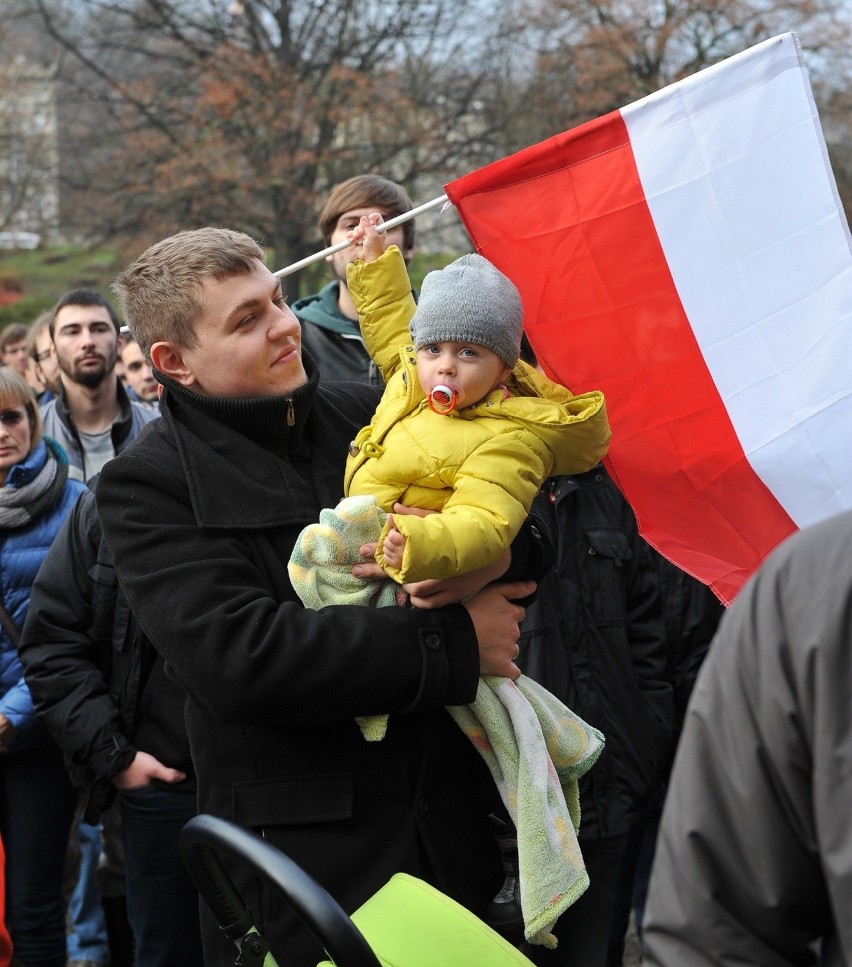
{"x":470,"y":301}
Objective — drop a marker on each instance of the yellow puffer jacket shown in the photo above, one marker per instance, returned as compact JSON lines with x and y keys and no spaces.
{"x":481,"y":466}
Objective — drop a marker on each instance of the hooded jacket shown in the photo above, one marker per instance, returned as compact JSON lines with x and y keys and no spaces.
{"x":481,"y":466}
{"x":334,"y":340}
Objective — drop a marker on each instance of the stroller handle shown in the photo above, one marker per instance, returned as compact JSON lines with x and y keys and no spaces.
{"x":205,"y":837}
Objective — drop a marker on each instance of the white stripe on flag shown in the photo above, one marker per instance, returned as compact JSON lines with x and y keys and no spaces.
{"x":764,"y":272}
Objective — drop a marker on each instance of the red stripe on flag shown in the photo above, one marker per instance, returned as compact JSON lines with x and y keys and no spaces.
{"x":568,"y":222}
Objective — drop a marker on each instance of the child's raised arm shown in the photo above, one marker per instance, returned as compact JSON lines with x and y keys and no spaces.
{"x":368,"y":243}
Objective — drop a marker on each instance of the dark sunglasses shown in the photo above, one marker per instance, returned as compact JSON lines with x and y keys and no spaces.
{"x":11,"y":417}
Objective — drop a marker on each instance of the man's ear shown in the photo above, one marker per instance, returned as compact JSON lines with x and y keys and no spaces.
{"x":168,"y":358}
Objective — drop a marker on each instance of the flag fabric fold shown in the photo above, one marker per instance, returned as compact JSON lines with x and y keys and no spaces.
{"x":689,"y":256}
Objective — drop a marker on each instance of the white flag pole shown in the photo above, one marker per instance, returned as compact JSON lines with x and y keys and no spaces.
{"x":384,"y":227}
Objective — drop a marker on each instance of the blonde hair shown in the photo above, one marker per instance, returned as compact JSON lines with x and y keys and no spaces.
{"x":160,"y":293}
{"x":14,"y":390}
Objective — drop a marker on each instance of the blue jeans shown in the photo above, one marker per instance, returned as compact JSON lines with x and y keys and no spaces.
{"x":36,"y":807}
{"x":162,"y":902}
{"x":88,"y":937}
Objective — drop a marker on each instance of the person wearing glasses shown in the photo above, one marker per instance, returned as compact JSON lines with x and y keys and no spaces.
{"x":36,"y":797}
{"x":45,"y":363}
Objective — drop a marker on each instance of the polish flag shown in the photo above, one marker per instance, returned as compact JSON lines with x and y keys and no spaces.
{"x":689,"y":256}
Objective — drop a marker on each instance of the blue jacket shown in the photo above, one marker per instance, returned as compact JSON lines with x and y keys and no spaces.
{"x":22,"y":549}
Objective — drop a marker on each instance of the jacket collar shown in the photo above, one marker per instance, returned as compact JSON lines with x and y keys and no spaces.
{"x":247,"y":462}
{"x":323,"y":310}
{"x":121,"y":427}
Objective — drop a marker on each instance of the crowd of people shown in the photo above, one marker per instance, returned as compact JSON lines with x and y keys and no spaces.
{"x":158,"y":464}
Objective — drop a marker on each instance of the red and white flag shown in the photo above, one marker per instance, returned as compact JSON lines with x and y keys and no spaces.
{"x":689,"y":256}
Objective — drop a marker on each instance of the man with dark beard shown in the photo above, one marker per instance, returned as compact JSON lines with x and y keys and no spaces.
{"x":92,"y":416}
{"x":94,"y":420}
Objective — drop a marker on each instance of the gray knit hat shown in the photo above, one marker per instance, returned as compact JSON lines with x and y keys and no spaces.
{"x":470,"y":301}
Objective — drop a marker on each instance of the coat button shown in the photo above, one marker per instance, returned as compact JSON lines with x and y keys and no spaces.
{"x":423,"y":805}
{"x":353,"y":450}
{"x":433,"y":642}
{"x":536,"y":533}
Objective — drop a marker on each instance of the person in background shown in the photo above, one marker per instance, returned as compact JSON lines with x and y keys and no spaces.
{"x":94,"y":420}
{"x":754,"y":854}
{"x":43,"y":355}
{"x":36,"y":796}
{"x":91,"y":416}
{"x":13,"y":348}
{"x":692,"y":613}
{"x":14,"y":352}
{"x":101,"y":691}
{"x":595,"y":637}
{"x":141,"y":385}
{"x":330,"y":329}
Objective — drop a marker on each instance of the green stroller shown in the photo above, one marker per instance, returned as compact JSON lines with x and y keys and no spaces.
{"x":407,"y":923}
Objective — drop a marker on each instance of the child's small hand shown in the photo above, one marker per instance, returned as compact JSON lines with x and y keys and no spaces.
{"x":366,"y":238}
{"x":393,"y":546}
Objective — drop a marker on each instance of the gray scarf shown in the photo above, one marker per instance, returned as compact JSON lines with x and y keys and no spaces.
{"x":20,"y":505}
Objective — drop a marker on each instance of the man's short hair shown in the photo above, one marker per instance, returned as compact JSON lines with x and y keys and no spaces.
{"x":83,"y":297}
{"x":14,"y":333}
{"x":160,"y":293}
{"x":42,"y":322}
{"x":367,"y":191}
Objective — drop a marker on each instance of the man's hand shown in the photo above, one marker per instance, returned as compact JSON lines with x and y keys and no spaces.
{"x":365,"y":239}
{"x":142,"y":770}
{"x":435,"y":593}
{"x":497,"y":619}
{"x":7,"y":733}
{"x":438,"y":594}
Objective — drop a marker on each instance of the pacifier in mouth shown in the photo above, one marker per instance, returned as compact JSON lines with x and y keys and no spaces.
{"x":443,"y":399}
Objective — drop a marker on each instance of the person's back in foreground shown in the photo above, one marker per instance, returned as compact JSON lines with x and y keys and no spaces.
{"x":207,"y":506}
{"x":754,"y":855}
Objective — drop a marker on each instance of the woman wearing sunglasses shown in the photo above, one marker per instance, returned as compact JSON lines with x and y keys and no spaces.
{"x":36,"y":797}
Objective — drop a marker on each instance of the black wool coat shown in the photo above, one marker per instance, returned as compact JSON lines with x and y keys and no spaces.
{"x":201,"y":514}
{"x":596,"y":638}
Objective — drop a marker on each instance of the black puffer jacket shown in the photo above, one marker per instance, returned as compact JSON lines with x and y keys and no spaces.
{"x":595,"y":636}
{"x":96,"y":681}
